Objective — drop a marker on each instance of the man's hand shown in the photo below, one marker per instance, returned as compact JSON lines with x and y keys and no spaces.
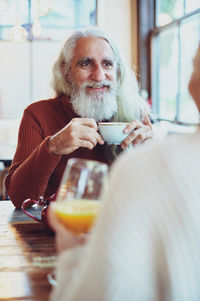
{"x":65,"y":239}
{"x":80,"y":132}
{"x":140,"y":132}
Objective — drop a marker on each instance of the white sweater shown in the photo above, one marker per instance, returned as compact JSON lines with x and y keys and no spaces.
{"x":146,"y":242}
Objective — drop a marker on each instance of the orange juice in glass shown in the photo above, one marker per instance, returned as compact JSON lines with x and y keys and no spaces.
{"x":77,"y":204}
{"x":78,"y":215}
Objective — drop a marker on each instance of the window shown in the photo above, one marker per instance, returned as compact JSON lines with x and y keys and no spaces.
{"x":45,"y":19}
{"x":171,"y":36}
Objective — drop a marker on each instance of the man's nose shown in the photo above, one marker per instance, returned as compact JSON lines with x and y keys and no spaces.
{"x":98,"y":73}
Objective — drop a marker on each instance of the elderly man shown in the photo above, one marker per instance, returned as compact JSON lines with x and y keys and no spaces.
{"x":91,"y":84}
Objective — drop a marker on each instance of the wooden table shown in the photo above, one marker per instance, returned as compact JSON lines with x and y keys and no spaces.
{"x":27,"y":255}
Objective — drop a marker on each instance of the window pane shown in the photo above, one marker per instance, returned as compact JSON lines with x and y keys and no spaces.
{"x":65,"y":15}
{"x":14,"y":10}
{"x":192,"y":5}
{"x":5,"y":33}
{"x":165,"y":75}
{"x":61,"y":14}
{"x":188,"y":111}
{"x":14,"y":78}
{"x":55,"y":19}
{"x":167,"y":10}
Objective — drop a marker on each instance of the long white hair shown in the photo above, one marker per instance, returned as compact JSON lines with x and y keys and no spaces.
{"x":130,"y":105}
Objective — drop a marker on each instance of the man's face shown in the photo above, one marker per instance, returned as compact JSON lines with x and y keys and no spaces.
{"x":93,"y":61}
{"x":93,"y":79}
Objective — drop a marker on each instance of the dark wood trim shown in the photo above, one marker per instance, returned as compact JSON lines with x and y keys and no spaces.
{"x":145,"y":12}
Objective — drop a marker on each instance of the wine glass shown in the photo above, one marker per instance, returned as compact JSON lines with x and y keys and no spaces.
{"x":77,"y":203}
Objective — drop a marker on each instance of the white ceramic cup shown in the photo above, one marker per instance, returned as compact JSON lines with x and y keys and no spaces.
{"x":112,"y":132}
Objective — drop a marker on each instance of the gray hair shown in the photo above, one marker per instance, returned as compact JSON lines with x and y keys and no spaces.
{"x":130,"y":105}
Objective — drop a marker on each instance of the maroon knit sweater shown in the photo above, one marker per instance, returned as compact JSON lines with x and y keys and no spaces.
{"x":34,"y":171}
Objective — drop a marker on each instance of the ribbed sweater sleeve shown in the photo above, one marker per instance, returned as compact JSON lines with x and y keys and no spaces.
{"x":32,"y":164}
{"x":30,"y":179}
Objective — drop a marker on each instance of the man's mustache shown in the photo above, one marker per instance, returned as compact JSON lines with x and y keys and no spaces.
{"x":97,"y":85}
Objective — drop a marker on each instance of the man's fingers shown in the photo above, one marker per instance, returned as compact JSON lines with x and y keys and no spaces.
{"x":80,"y":132}
{"x":139,"y":135}
{"x":133,"y":125}
{"x":86,"y":144}
{"x":142,"y":137}
{"x":91,"y":135}
{"x":147,"y":121}
{"x":90,"y":122}
{"x":87,"y":128}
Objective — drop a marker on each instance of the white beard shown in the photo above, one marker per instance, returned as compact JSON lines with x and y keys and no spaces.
{"x":97,"y":105}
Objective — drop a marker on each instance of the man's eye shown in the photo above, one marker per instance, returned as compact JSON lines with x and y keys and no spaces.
{"x":108,"y":64}
{"x":85,"y":64}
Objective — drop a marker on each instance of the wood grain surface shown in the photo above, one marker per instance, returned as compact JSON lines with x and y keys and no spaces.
{"x":27,"y":255}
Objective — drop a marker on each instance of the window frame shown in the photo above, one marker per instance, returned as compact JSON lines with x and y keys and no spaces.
{"x":147,"y":29}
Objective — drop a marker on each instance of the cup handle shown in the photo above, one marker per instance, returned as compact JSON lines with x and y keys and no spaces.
{"x":28,"y":203}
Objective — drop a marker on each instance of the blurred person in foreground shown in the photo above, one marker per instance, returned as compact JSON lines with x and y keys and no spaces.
{"x":91,"y":84}
{"x":146,"y":242}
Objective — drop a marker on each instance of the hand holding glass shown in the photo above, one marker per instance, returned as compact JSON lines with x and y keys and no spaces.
{"x":77,"y":204}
